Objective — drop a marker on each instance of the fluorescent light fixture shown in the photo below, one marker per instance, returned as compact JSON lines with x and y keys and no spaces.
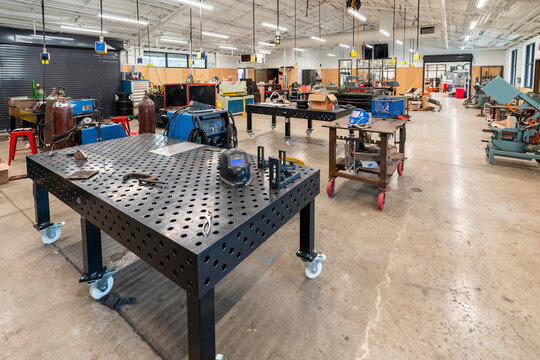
{"x":173,"y":41}
{"x":473,"y":24}
{"x":317,"y":39}
{"x":207,"y":33}
{"x":82,"y":29}
{"x":266,"y":43}
{"x":264,"y":52}
{"x":273,"y":26}
{"x":47,"y":37}
{"x":196,"y":3}
{"x":227,"y":47}
{"x":411,"y":50}
{"x":384,"y":32}
{"x":399,"y":42}
{"x":369,"y":46}
{"x":332,"y":55}
{"x":467,"y":37}
{"x":301,"y":50}
{"x":462,"y":48}
{"x":481,"y":4}
{"x":344,"y":46}
{"x":123,"y":19}
{"x":356,"y":14}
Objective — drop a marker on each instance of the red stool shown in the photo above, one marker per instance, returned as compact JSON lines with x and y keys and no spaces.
{"x":124,"y":121}
{"x":29,"y":133}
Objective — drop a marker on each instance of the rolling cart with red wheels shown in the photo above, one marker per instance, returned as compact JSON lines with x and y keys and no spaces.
{"x":379,"y":133}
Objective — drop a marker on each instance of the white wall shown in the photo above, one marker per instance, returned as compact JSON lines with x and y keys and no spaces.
{"x":520,"y":58}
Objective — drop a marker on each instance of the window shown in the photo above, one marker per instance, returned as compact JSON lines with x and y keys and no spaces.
{"x":177,"y":60}
{"x":171,"y":60}
{"x":157,"y":59}
{"x":199,"y":64}
{"x":529,"y":65}
{"x":513,"y":67}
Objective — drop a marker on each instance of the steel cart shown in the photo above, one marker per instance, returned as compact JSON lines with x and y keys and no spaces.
{"x":291,"y":111}
{"x":165,"y":225}
{"x":388,"y":163}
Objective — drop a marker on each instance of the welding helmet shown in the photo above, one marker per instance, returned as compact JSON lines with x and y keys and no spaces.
{"x":234,"y":167}
{"x":358,"y":117}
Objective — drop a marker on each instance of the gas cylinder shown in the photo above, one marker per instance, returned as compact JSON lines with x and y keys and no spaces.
{"x":62,"y":122}
{"x":147,"y":121}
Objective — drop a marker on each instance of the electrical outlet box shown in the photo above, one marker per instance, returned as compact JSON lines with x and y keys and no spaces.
{"x":101,"y":47}
{"x":394,"y":60}
{"x":190,"y":62}
{"x":353,"y":53}
{"x":277,"y":39}
{"x":139,"y":60}
{"x":294,"y":63}
{"x":416,"y":57}
{"x":45,"y":58}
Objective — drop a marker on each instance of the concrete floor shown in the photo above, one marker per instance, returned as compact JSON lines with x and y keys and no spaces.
{"x":449,"y":270}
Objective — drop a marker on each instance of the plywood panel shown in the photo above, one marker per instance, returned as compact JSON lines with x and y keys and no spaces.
{"x":292,"y":76}
{"x":475,"y":74}
{"x":409,"y":77}
{"x":329,"y":76}
{"x":160,"y":76}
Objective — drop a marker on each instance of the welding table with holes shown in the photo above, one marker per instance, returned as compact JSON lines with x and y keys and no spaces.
{"x":291,"y":111}
{"x":163,"y":226}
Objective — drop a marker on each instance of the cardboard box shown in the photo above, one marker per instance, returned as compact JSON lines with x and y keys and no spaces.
{"x":415,"y":105}
{"x":320,"y":101}
{"x":4,"y":177}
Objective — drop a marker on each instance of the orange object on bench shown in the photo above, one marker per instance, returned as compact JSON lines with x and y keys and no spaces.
{"x":29,"y":133}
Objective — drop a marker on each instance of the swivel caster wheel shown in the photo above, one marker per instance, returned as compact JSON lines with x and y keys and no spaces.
{"x":308,"y":132}
{"x":251,"y":135}
{"x":52,"y":233}
{"x":314,"y":268}
{"x":273,"y":127}
{"x":288,"y":141}
{"x":221,"y":357}
{"x":400,"y":168}
{"x":331,"y":188}
{"x":100,"y":288}
{"x":381,"y":200}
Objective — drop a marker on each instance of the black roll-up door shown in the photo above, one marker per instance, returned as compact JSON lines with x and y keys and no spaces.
{"x":79,"y":70}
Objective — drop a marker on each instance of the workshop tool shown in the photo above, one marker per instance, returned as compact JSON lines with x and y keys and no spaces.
{"x":281,"y":172}
{"x":261,"y":163}
{"x":144,"y":178}
{"x":207,"y":227}
{"x":521,"y":141}
{"x":178,"y":249}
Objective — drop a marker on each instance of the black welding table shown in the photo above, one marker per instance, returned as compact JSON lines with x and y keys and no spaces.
{"x":164,"y":226}
{"x":291,"y":111}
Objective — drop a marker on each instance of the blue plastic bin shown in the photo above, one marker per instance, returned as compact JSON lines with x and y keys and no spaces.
{"x":387,"y":107}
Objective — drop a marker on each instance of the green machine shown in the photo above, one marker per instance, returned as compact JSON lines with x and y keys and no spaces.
{"x":521,"y":141}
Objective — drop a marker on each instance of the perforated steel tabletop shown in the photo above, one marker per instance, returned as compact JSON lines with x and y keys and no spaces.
{"x":163,"y":226}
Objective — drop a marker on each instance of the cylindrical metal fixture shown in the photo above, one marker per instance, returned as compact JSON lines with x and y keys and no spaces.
{"x":62,"y":122}
{"x":147,"y":111}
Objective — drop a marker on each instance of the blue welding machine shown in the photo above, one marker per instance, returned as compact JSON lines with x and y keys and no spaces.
{"x":210,"y":126}
{"x":82,"y":107}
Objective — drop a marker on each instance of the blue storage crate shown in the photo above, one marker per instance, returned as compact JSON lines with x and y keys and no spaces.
{"x":387,"y":107}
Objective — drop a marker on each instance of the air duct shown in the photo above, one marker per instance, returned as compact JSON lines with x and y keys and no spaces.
{"x":369,"y":36}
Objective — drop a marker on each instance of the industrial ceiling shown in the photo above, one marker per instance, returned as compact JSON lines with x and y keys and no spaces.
{"x":500,"y":23}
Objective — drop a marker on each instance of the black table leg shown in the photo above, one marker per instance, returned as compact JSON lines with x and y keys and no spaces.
{"x":92,"y":257}
{"x":41,"y":207}
{"x":288,"y":130}
{"x":309,"y":129}
{"x":201,"y":326}
{"x":273,"y":122}
{"x":250,"y":125}
{"x":307,"y":232}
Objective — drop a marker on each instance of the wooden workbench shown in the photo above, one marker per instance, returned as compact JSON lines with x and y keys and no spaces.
{"x":388,"y":163}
